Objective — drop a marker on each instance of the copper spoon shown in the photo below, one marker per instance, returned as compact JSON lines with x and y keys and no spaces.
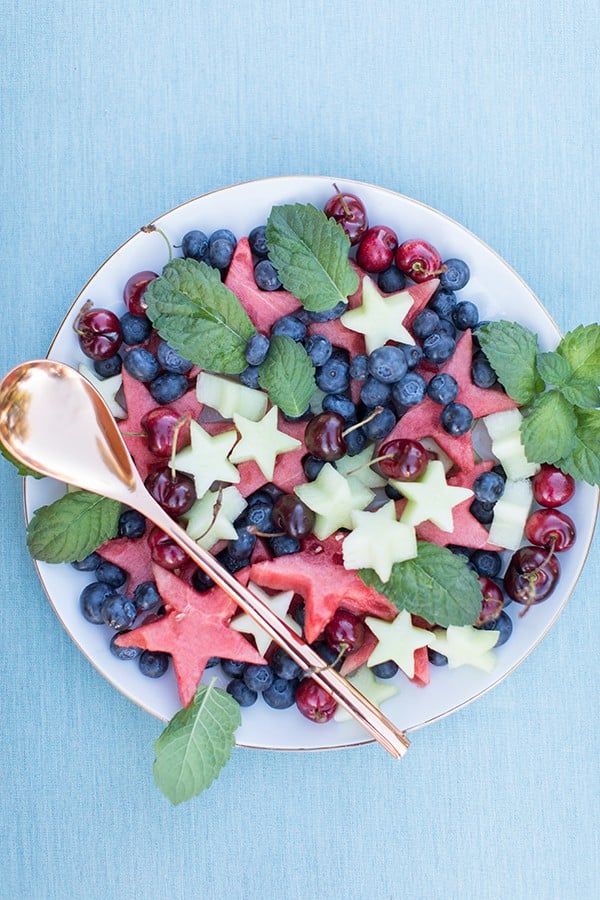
{"x":55,"y":422}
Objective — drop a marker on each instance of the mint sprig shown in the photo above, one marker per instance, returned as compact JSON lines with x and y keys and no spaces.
{"x":72,"y":527}
{"x":548,"y":430}
{"x":21,"y":469}
{"x":196,"y":314}
{"x":583,"y":461}
{"x":436,"y":585}
{"x":288,"y":375}
{"x":310,"y":253}
{"x":196,"y":744}
{"x":512,"y":350}
{"x":581,"y":349}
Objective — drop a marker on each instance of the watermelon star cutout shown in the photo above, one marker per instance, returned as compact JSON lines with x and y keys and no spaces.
{"x":261,"y":441}
{"x":379,"y":317}
{"x":378,"y":540}
{"x":194,"y":629}
{"x":466,"y":646}
{"x":206,"y":458}
{"x":398,"y":640}
{"x":279,"y":603}
{"x":108,"y":388}
{"x":369,"y":686}
{"x":333,"y":498}
{"x":431,"y":497}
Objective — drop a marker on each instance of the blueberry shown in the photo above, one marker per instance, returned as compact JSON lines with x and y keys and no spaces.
{"x":503,"y":624}
{"x":483,"y":512}
{"x":221,"y":246}
{"x":109,"y":573}
{"x":387,"y":364}
{"x":413,"y":354}
{"x":392,"y":493}
{"x":123,"y":652}
{"x":446,"y":326}
{"x":385,"y":669}
{"x":442,"y":389}
{"x":326,"y":315}
{"x":435,"y":658}
{"x":284,"y":666}
{"x":231,"y":563}
{"x":359,"y":367}
{"x":146,"y":596}
{"x":375,"y":393}
{"x":257,"y":349}
{"x":168,"y":387}
{"x":132,"y":524}
{"x":212,"y":662}
{"x":355,"y":442}
{"x":410,"y":390}
{"x":481,"y":371}
{"x":265,"y":276}
{"x":312,"y":466}
{"x":194,"y":245}
{"x":456,"y":275}
{"x":202,"y":582}
{"x":443,"y":302}
{"x":456,"y":419}
{"x":269,"y":492}
{"x":135,"y":329}
{"x":281,"y":694}
{"x":258,"y":678}
{"x":488,"y":487}
{"x":461,"y":551}
{"x":339,"y":403}
{"x":106,"y":368}
{"x":379,"y":427}
{"x":233,"y":667}
{"x":250,"y":377}
{"x":284,"y":545}
{"x":92,"y":598}
{"x":259,"y":514}
{"x":153,"y":663}
{"x":318,"y":348}
{"x":119,"y":612}
{"x":243,"y":545}
{"x":438,"y":347}
{"x":307,"y":414}
{"x":425,"y":323}
{"x":391,"y":280}
{"x":241,"y":693}
{"x":141,"y":364}
{"x":465,"y":315}
{"x":89,"y":563}
{"x":289,"y":326}
{"x":334,"y":376}
{"x":171,"y":360}
{"x":299,"y":614}
{"x":487,"y":563}
{"x":258,"y":241}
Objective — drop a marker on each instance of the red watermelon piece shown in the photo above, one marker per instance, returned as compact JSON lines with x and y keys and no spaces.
{"x":132,"y":555}
{"x":194,"y":629}
{"x":325,"y":584}
{"x":421,"y":676}
{"x":263,"y":307}
{"x":359,"y":657}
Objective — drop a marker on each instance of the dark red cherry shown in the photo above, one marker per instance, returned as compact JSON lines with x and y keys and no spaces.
{"x":376,"y":250}
{"x":345,"y":631}
{"x":164,"y":551}
{"x":160,"y":425}
{"x":291,"y":515}
{"x":419,"y":260}
{"x":551,"y":487}
{"x":176,"y":494}
{"x":324,"y":436}
{"x":406,"y":460}
{"x":532,"y":575}
{"x":348,"y":211}
{"x":550,"y":528}
{"x":314,"y":702}
{"x":492,"y":602}
{"x":134,"y":290}
{"x":99,"y":332}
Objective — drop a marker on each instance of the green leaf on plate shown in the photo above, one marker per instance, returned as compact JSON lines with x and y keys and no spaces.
{"x":548,"y":431}
{"x":288,"y":375}
{"x":310,"y":253}
{"x":553,"y":368}
{"x":196,"y":744}
{"x":72,"y":527}
{"x":581,"y":349}
{"x":583,"y":462}
{"x":512,"y":350}
{"x":581,"y":392}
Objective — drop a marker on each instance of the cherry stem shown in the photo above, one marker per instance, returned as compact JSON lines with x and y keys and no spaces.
{"x":346,"y":208}
{"x":253,"y":529}
{"x":216,"y":511}
{"x":179,"y":424}
{"x":531,"y":577}
{"x":370,"y":463}
{"x":419,"y":266}
{"x":84,"y":309}
{"x":376,"y":411}
{"x":150,"y":229}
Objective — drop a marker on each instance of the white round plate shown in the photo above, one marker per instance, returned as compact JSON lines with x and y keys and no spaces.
{"x":499,"y":293}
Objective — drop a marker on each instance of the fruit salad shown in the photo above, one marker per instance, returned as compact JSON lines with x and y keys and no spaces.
{"x":320,"y":405}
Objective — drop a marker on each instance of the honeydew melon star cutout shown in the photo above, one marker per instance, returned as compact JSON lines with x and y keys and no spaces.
{"x":378,"y":540}
{"x":466,"y":646}
{"x":108,"y":388}
{"x":380,"y":318}
{"x":205,"y":459}
{"x":333,"y":499}
{"x":431,"y":498}
{"x":279,"y":603}
{"x":261,"y":441}
{"x":398,"y":640}
{"x":375,"y":691}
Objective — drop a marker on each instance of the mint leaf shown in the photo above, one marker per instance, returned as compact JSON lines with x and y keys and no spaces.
{"x":436,"y":584}
{"x":21,"y":469}
{"x":581,"y":349}
{"x":288,"y":375}
{"x":196,"y":314}
{"x":196,"y":744}
{"x":548,"y":430}
{"x":583,"y":462}
{"x":310,"y":253}
{"x":71,"y":527}
{"x":553,"y":368}
{"x":581,"y":392}
{"x":511,"y":350}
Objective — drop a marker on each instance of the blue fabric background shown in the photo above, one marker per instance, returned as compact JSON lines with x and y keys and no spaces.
{"x":115,"y":111}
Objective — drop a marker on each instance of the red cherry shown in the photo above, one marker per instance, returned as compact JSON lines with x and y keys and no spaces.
{"x":324,"y":436}
{"x":99,"y":332}
{"x":176,"y":494}
{"x":531,"y":576}
{"x":419,"y":260}
{"x":349,"y":212}
{"x":134,"y":290}
{"x":551,"y":487}
{"x":160,"y":425}
{"x":291,"y":515}
{"x":345,"y":631}
{"x":406,"y":460}
{"x":164,"y":551}
{"x":492,"y":602}
{"x":376,"y":250}
{"x":551,"y":529}
{"x":314,"y":702}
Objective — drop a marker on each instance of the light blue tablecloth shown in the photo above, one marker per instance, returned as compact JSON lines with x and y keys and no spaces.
{"x":113,"y":112}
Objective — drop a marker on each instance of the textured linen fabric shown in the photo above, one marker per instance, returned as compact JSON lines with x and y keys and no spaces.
{"x":113,"y":112}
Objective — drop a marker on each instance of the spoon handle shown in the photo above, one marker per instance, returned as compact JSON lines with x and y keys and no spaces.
{"x":365,"y":712}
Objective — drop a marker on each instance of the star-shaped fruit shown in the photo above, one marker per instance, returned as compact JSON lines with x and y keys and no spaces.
{"x":431,"y":497}
{"x":370,"y":687}
{"x":378,"y":540}
{"x":333,"y":498}
{"x":206,"y":458}
{"x":261,"y":441}
{"x":194,"y":629}
{"x":211,"y":517}
{"x":398,"y":640}
{"x":227,"y":396}
{"x":279,"y":603}
{"x":466,"y":646}
{"x":108,"y":388}
{"x":358,"y":466}
{"x":379,"y":317}
{"x":133,"y":556}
